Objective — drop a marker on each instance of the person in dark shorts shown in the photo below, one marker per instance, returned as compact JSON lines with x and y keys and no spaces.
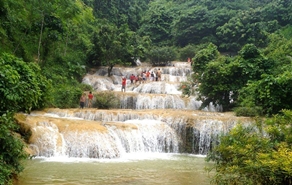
{"x":82,"y":100}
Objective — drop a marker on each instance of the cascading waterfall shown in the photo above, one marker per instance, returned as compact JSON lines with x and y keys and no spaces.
{"x":113,"y":133}
{"x":154,"y":117}
{"x":50,"y":138}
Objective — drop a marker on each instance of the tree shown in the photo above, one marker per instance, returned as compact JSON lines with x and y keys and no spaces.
{"x":157,"y":21}
{"x":221,"y":78}
{"x":116,"y":46}
{"x":188,"y":51}
{"x":246,"y":27}
{"x":220,"y":83}
{"x":112,"y":45}
{"x":120,"y":12}
{"x":161,"y":56}
{"x":254,"y":63}
{"x":203,"y":57}
{"x":196,"y":24}
{"x":22,"y":87}
{"x":271,"y":93}
{"x":259,"y":153}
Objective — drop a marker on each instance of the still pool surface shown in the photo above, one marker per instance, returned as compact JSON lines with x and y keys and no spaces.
{"x":137,"y":169}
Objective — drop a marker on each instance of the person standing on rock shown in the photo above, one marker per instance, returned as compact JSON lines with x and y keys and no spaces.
{"x":132,"y":78}
{"x":90,"y":98}
{"x":152,"y":76}
{"x":124,"y":82}
{"x":158,"y":74}
{"x":148,"y":76}
{"x":82,"y":100}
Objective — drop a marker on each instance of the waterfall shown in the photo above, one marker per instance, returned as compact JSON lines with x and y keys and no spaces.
{"x":164,"y":94}
{"x":92,"y":133}
{"x":154,"y":118}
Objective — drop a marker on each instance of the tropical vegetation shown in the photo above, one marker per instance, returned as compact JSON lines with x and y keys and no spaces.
{"x":255,"y":154}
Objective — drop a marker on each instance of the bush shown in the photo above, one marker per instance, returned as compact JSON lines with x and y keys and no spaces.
{"x":22,"y":86}
{"x":11,"y":150}
{"x":187,"y":87}
{"x":160,"y":56}
{"x":248,"y":111}
{"x":106,"y":100}
{"x":187,"y":52}
{"x":258,"y":153}
{"x":66,"y":96}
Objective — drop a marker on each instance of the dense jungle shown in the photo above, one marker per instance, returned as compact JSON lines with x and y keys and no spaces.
{"x":241,"y":52}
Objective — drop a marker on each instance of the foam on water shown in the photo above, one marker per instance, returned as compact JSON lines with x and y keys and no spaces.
{"x":128,"y":157}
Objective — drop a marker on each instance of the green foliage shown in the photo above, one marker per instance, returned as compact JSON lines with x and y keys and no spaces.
{"x":272,"y":93}
{"x":222,"y":79}
{"x":220,"y":83}
{"x":22,"y":86}
{"x":106,"y":100}
{"x":248,"y":111}
{"x":66,"y":96}
{"x":157,"y":21}
{"x":116,"y":46}
{"x":120,"y":12}
{"x":279,"y":50}
{"x":204,"y":56}
{"x":11,"y":150}
{"x":253,"y":63}
{"x":246,"y":27}
{"x":186,"y":52}
{"x":160,"y":56}
{"x":188,"y":87}
{"x":287,"y":32}
{"x":197,"y":24}
{"x":256,"y":154}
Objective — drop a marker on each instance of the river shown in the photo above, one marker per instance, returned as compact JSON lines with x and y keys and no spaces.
{"x":133,"y":169}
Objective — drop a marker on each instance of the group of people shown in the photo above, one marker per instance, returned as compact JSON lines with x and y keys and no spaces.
{"x":142,"y":78}
{"x":146,"y":76}
{"x":83,"y":98}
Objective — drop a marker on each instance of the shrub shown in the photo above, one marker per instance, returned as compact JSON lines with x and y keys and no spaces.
{"x":66,"y":96}
{"x":187,"y":52}
{"x":11,"y":150}
{"x":160,"y":56}
{"x":248,"y":111}
{"x":106,"y":100}
{"x":22,"y":86}
{"x":258,"y":153}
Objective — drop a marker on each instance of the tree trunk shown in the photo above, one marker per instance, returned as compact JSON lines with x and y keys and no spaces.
{"x":40,"y":40}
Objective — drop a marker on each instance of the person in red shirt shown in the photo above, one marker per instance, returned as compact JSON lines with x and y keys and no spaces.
{"x":90,"y":98}
{"x":124,"y":81}
{"x":148,"y":75}
{"x":132,"y":78}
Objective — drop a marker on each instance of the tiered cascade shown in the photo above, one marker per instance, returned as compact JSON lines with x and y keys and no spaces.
{"x":164,"y":94}
{"x":154,"y":118}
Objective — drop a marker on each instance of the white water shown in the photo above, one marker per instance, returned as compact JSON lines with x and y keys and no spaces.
{"x":106,"y":134}
{"x":154,"y":118}
{"x":164,"y":94}
{"x":142,"y":143}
